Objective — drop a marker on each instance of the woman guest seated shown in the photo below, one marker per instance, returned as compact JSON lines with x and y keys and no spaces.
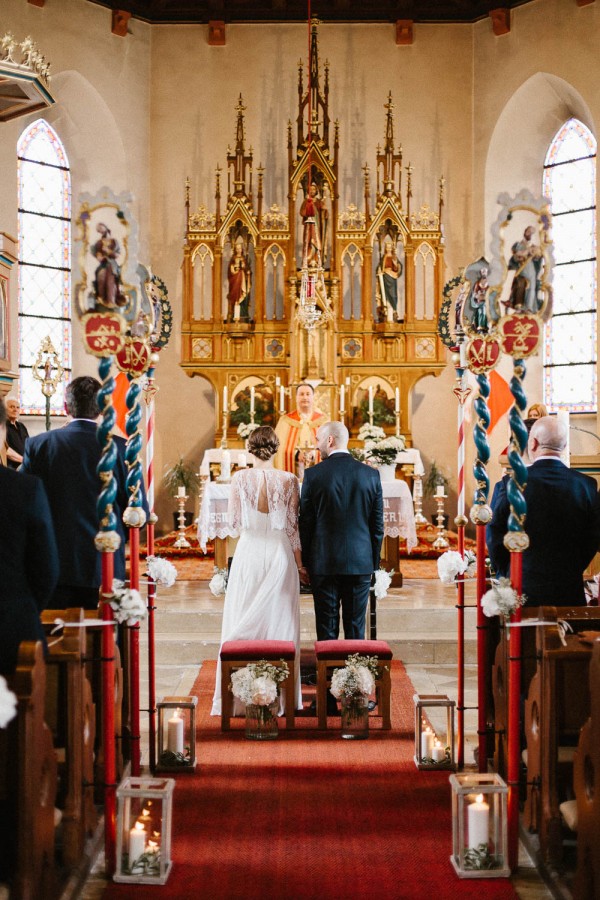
{"x":537,"y":411}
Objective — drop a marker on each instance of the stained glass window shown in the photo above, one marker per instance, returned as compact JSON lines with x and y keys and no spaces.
{"x":570,"y":336}
{"x":44,"y":186}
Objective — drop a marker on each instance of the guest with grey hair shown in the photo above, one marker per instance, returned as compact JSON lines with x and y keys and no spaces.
{"x":16,"y":432}
{"x":562,"y":522}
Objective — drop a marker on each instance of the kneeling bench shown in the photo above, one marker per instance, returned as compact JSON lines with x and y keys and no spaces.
{"x":333,"y":655}
{"x":237,"y":654}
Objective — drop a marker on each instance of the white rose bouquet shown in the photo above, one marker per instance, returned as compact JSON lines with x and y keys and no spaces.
{"x":258,"y":685}
{"x":8,"y":703}
{"x":161,"y":571}
{"x":383,"y":580}
{"x":501,"y":599}
{"x":451,"y":565}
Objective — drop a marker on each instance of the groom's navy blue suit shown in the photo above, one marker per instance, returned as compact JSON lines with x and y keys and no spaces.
{"x":341,"y":530}
{"x":563,"y":525}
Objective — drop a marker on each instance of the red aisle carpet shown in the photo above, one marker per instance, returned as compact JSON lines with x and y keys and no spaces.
{"x":312,"y":816}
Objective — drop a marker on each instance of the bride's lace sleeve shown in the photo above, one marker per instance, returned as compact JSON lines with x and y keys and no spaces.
{"x":291,"y":519}
{"x":234,"y":510}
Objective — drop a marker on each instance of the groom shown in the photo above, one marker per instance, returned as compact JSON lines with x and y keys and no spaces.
{"x":341,"y":530}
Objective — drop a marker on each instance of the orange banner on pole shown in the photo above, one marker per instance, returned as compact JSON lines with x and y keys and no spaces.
{"x":500,"y":399}
{"x":119,"y":402}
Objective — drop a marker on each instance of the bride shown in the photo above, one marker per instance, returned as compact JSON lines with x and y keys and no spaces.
{"x":262,"y":598}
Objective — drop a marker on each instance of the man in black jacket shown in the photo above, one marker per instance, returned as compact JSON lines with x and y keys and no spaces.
{"x":341,"y":530}
{"x":562,"y":522}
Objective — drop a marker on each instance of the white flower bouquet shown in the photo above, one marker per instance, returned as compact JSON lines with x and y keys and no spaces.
{"x":369,"y":432}
{"x":218,"y":583}
{"x":451,"y":565}
{"x":245,"y":429}
{"x":8,"y":703}
{"x":501,"y":599}
{"x":354,"y":684}
{"x":257,"y":687}
{"x":161,"y":571}
{"x":383,"y":580}
{"x":127,"y":604}
{"x":384,"y":452}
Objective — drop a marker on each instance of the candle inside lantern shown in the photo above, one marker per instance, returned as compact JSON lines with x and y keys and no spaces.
{"x":439,"y":491}
{"x":397,"y":401}
{"x":438,"y":754}
{"x":181,"y":491}
{"x":478,"y":820}
{"x":252,"y":400}
{"x":225,"y":399}
{"x":137,"y":842}
{"x":342,"y":398}
{"x":370,"y":399}
{"x":427,"y":738}
{"x":281,"y":399}
{"x":175,"y":733}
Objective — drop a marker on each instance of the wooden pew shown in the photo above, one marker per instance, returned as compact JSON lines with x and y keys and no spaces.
{"x":70,"y":715}
{"x":28,"y":781}
{"x":586,"y":777}
{"x":556,"y":708}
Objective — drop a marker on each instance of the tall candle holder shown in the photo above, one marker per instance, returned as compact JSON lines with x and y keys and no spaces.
{"x":225,"y":427}
{"x":418,"y":500}
{"x":440,"y":542}
{"x":397,"y":415}
{"x":181,"y":542}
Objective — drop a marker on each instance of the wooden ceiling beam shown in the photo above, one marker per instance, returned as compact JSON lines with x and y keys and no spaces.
{"x":500,"y":20}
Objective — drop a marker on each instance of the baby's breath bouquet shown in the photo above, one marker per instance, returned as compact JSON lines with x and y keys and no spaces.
{"x":355,"y":683}
{"x":384,"y":452}
{"x":127,"y":604}
{"x":245,"y":429}
{"x":369,"y":432}
{"x":257,"y":685}
{"x":501,"y":599}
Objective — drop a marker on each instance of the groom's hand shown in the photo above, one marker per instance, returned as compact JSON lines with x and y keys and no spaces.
{"x":304,"y":576}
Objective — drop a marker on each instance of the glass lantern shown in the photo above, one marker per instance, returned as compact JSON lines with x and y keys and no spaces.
{"x":176,"y":734}
{"x":434,"y":732}
{"x":479,"y":826}
{"x":144,"y":807}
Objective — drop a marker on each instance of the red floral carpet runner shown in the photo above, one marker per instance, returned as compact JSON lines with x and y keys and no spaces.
{"x":312,"y":816}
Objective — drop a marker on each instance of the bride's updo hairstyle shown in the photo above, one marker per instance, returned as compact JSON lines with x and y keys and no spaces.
{"x":263,"y":443}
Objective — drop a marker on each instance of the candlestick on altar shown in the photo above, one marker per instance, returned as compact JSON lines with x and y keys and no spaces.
{"x":225,"y":426}
{"x":440,"y":542}
{"x":281,"y":400}
{"x":397,"y":415}
{"x":252,"y":404}
{"x":181,"y":541}
{"x":418,"y":500}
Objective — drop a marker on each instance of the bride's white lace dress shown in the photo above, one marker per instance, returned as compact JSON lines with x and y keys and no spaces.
{"x":262,"y":600}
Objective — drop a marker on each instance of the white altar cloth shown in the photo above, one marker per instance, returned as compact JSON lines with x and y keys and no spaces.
{"x":214,"y":455}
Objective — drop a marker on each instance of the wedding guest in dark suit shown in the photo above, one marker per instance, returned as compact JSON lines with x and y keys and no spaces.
{"x":66,"y":460}
{"x":16,"y":433}
{"x":562,"y":522}
{"x":28,"y":559}
{"x":341,"y":530}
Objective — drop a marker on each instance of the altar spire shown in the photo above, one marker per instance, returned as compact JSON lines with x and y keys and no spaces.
{"x":388,"y":159}
{"x":240,"y":161}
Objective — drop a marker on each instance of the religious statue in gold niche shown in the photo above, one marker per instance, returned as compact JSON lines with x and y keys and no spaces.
{"x":314,"y":215}
{"x":389,"y":273}
{"x":239,"y":277}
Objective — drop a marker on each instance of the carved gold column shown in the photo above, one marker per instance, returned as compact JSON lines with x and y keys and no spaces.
{"x":217,"y":314}
{"x":367,"y":280}
{"x":409,"y":284}
{"x":188,"y":286}
{"x":259,"y":281}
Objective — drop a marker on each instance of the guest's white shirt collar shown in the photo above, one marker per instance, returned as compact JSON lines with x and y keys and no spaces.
{"x":338,"y":451}
{"x":550,"y":456}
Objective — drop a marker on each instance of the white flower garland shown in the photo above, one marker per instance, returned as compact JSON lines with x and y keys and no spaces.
{"x":8,"y":703}
{"x":218,"y":583}
{"x":161,"y":571}
{"x":501,"y":599}
{"x":369,"y":432}
{"x":127,"y":604}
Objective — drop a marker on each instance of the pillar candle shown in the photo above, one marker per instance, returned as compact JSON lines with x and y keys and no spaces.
{"x":438,"y":754}
{"x":225,"y":465}
{"x":241,"y":460}
{"x":370,"y":399}
{"x":175,"y":734}
{"x":281,"y":399}
{"x":137,"y":842}
{"x":342,"y":398}
{"x":427,"y":738}
{"x":181,"y":492}
{"x":478,"y":820}
{"x":439,"y":491}
{"x":252,"y":400}
{"x":397,"y":401}
{"x":225,"y":399}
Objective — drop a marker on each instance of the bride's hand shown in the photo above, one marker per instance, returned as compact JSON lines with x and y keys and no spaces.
{"x":304,"y":577}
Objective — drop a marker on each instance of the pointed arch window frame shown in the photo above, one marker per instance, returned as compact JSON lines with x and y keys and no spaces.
{"x":582,"y":320}
{"x":44,"y":255}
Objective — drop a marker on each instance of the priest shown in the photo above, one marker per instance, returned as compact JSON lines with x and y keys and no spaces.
{"x":297,"y":433}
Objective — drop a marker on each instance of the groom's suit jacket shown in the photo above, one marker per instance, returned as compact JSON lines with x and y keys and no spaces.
{"x":341,"y":517}
{"x":563,"y":525}
{"x":66,"y":459}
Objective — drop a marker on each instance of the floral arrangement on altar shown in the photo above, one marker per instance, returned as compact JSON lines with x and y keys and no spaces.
{"x":8,"y":703}
{"x":356,"y":681}
{"x":161,"y":571}
{"x":127,"y":604}
{"x":258,"y":683}
{"x":369,"y":432}
{"x":501,"y":599}
{"x":218,"y":583}
{"x":451,"y":564}
{"x":384,"y":452}
{"x":245,"y":429}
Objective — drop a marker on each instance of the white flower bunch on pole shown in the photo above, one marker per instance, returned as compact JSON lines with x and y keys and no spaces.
{"x":501,"y":599}
{"x":127,"y":604}
{"x":161,"y":571}
{"x":8,"y":703}
{"x":218,"y":583}
{"x":383,"y":580}
{"x":451,"y":565}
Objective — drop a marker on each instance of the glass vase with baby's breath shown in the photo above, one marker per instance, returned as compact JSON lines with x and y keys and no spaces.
{"x":353,"y":685}
{"x":257,"y":686}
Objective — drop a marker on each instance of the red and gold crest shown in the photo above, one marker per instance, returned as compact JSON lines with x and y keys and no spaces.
{"x":520,"y":334}
{"x":134,"y":357}
{"x":483,"y":353}
{"x":103,"y":333}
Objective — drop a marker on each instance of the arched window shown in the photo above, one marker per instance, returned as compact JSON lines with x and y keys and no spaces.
{"x":570,"y":336}
{"x":44,"y":186}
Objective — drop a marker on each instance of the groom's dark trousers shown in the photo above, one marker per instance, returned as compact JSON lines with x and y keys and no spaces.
{"x":341,"y":530}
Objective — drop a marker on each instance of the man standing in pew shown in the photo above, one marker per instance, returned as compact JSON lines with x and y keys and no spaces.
{"x":28,"y":559}
{"x":66,"y":460}
{"x":562,"y":522}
